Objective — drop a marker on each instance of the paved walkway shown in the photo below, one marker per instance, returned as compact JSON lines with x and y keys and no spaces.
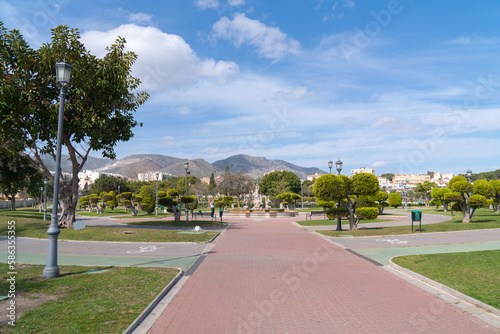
{"x":273,"y":277}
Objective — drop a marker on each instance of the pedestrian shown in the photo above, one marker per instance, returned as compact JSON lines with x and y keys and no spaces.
{"x":212,"y":208}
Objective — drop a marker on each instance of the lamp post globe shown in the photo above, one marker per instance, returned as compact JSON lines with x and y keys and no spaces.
{"x":63,"y":76}
{"x":330,"y":165}
{"x":338,"y":165}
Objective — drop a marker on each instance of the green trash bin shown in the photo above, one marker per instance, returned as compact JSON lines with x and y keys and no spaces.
{"x":416,"y":215}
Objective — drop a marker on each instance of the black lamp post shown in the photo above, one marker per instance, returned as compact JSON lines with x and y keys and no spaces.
{"x":45,"y":181}
{"x":338,"y":165}
{"x":41,"y":200}
{"x":63,"y":75}
{"x":469,"y":174}
{"x":330,"y":165}
{"x":186,"y":167}
{"x":302,"y":192}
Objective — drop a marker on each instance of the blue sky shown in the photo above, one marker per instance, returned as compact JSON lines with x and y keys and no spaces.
{"x":401,"y":86}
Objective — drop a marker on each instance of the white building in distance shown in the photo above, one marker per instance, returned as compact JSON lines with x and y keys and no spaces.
{"x":153,"y":175}
{"x":88,"y":177}
{"x":362,"y":170}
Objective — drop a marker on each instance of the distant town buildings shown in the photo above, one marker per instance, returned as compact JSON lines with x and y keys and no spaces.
{"x":362,"y":170}
{"x":153,"y":176}
{"x":88,"y":177}
{"x":313,"y":177}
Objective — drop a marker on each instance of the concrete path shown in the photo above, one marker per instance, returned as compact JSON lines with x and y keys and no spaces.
{"x":273,"y":277}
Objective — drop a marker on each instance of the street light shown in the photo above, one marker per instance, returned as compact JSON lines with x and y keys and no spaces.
{"x":45,"y":181}
{"x":157,"y":177}
{"x":330,"y":165}
{"x":41,"y":200}
{"x":338,"y":165}
{"x":469,"y":174}
{"x":63,"y":75}
{"x":186,"y":167}
{"x":302,"y":192}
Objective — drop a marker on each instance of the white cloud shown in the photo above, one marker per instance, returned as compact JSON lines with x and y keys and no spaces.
{"x":295,"y":94}
{"x":140,"y":18}
{"x":235,"y":3}
{"x":207,"y":4}
{"x":184,"y":110}
{"x":378,"y":164}
{"x":349,"y":4}
{"x":473,"y":40}
{"x":164,"y":60}
{"x":270,"y":41}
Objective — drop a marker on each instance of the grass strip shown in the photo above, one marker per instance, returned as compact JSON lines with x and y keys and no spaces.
{"x":182,"y":223}
{"x":30,"y":223}
{"x":483,"y":219}
{"x":77,"y":302}
{"x":476,"y":274}
{"x":323,"y":222}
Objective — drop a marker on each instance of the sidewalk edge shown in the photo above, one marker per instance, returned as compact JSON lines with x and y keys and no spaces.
{"x":137,"y":322}
{"x":482,"y":310}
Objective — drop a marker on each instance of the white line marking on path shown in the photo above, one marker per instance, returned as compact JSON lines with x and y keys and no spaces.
{"x":143,"y":249}
{"x":394,"y":241}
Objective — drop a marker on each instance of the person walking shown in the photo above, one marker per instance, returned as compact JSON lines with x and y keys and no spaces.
{"x":212,"y":208}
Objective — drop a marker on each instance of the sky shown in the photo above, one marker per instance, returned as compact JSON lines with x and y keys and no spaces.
{"x":405,"y":86}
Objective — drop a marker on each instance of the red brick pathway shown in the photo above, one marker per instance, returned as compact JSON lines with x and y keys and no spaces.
{"x":272,"y":277}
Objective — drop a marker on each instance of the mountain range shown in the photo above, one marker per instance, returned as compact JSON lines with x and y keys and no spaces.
{"x":131,"y":165}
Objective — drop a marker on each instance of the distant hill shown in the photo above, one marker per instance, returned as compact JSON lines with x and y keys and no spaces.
{"x":140,"y":163}
{"x":198,"y":167}
{"x":258,"y":166}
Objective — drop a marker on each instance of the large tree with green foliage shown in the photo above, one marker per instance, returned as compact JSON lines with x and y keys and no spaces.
{"x":424,"y":190}
{"x":99,"y":104}
{"x":330,"y":187}
{"x":279,"y":182}
{"x":16,"y":174}
{"x":438,"y":195}
{"x":395,"y":200}
{"x":495,"y":185}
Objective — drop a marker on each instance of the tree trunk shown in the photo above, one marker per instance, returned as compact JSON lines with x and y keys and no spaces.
{"x":12,"y":203}
{"x":466,"y":212}
{"x":177,"y":214}
{"x":445,"y":206}
{"x":67,"y":217}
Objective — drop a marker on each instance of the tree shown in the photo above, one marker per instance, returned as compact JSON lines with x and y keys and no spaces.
{"x":288,"y":199}
{"x":468,"y":197}
{"x":109,"y":183}
{"x":279,"y":182}
{"x":388,"y":176}
{"x":16,"y":174}
{"x":381,"y":199}
{"x":330,"y":187}
{"x":148,"y":202}
{"x":236,"y":185}
{"x":395,"y":200}
{"x":495,"y":184}
{"x":99,"y":105}
{"x":212,"y":184}
{"x":424,"y":190}
{"x":438,"y":194}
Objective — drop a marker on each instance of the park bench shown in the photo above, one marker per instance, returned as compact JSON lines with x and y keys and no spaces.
{"x":315,"y":213}
{"x":202,"y":214}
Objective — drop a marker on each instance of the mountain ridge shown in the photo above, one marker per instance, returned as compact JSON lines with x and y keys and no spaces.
{"x":131,"y":165}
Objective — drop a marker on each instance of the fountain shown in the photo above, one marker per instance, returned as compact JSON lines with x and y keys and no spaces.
{"x":257,"y":211}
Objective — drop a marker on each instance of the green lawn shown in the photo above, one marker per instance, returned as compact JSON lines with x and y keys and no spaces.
{"x":118,"y":212}
{"x":483,"y":219}
{"x":30,"y":223}
{"x":476,"y":274}
{"x":105,"y":302}
{"x":182,"y":223}
{"x":322,"y":222}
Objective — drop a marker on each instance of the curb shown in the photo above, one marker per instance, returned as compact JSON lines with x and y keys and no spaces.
{"x":137,"y":322}
{"x":477,"y":308}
